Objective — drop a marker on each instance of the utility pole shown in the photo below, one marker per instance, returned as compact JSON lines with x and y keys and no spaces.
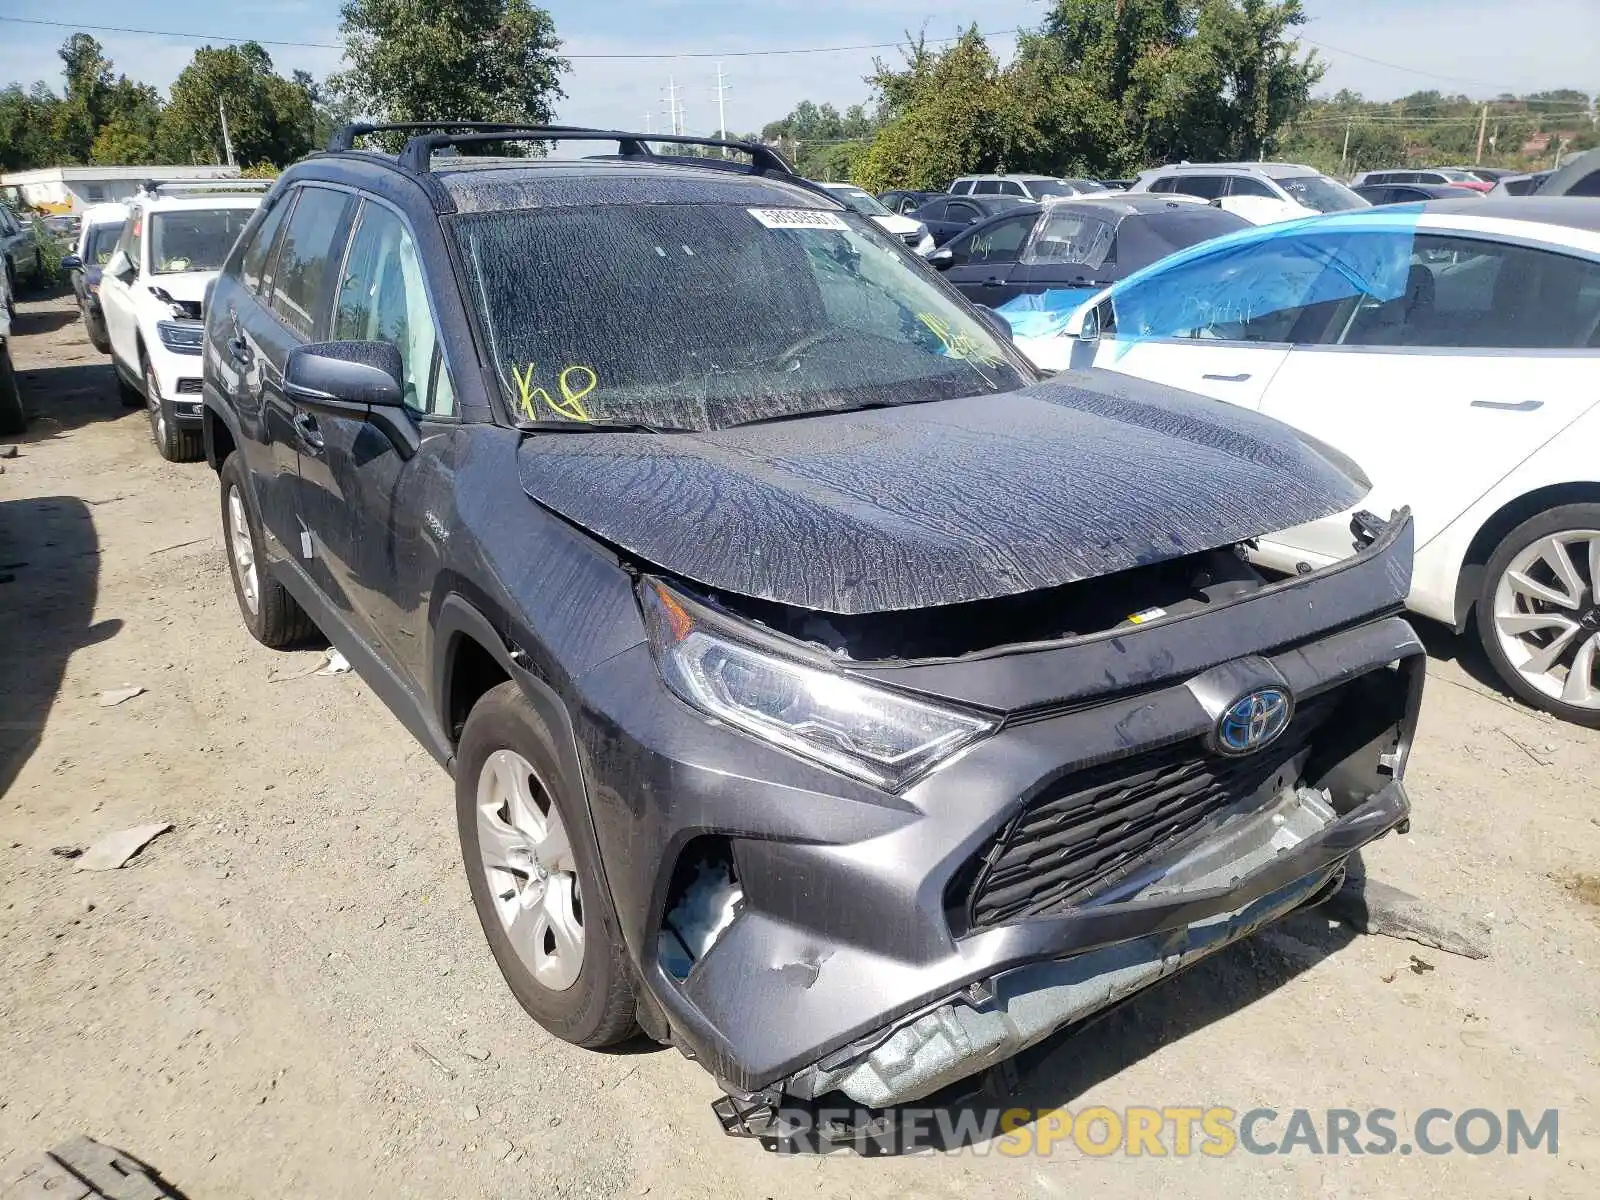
{"x":1483,"y":128}
{"x":1344,"y":155}
{"x":673,"y":111}
{"x":722,"y":108}
{"x":647,"y":128}
{"x":227,"y":142}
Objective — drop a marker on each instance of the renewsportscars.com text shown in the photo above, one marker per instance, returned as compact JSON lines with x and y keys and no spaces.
{"x":1178,"y":1131}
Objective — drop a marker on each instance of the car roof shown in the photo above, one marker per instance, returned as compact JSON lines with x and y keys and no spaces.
{"x":497,"y":184}
{"x":1128,"y":204}
{"x":1570,"y":212}
{"x":1443,"y":191}
{"x":105,"y":214}
{"x":1272,"y":170}
{"x":191,"y":203}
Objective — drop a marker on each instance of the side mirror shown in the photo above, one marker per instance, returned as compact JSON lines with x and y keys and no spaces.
{"x":71,"y":262}
{"x":996,"y":322}
{"x":942,"y":259}
{"x":1089,"y":329}
{"x":341,"y":374}
{"x":357,"y":380}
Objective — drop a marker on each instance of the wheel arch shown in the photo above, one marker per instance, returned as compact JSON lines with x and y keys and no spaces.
{"x":1469,"y":580}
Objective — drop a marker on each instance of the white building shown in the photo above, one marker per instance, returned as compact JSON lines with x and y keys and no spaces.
{"x":72,"y":189}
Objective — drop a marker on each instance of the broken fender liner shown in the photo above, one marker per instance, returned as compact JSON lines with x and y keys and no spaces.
{"x":943,"y":502}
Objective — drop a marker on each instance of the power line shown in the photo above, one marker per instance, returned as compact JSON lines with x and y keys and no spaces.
{"x":1378,"y":62}
{"x":211,"y":37}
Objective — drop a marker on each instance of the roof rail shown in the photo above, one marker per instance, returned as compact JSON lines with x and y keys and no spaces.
{"x":418,"y":153}
{"x":168,"y":187}
{"x":345,"y":137}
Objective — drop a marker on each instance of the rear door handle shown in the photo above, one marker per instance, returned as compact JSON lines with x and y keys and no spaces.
{"x":1509,"y":405}
{"x":310,"y":436}
{"x":1227,"y":378}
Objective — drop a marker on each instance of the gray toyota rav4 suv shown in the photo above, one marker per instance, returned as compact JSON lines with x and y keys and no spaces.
{"x":826,"y":694}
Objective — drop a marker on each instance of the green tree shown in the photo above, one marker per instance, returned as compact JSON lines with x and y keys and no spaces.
{"x":27,"y":127}
{"x":130,"y":134}
{"x":480,"y":60}
{"x":269,"y":118}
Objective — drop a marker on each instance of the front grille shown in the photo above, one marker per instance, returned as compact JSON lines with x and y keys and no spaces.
{"x":1087,"y":831}
{"x":188,"y":387}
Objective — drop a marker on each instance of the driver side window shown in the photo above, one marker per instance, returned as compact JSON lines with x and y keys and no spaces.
{"x":382,"y":298}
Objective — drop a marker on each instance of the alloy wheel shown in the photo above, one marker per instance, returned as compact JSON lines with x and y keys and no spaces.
{"x":527,"y":857}
{"x":1547,"y":615}
{"x":243,"y":551}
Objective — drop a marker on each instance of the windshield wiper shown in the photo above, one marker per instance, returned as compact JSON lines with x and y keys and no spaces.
{"x":599,"y":427}
{"x":832,"y":412}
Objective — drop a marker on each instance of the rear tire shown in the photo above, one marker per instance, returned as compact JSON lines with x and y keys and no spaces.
{"x":588,"y":1002}
{"x":273,"y":616}
{"x":95,"y":330}
{"x":174,"y":443}
{"x":1540,"y":589}
{"x":13,"y":417}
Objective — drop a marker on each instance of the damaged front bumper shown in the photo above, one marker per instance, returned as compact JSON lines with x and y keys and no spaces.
{"x":883,"y":945}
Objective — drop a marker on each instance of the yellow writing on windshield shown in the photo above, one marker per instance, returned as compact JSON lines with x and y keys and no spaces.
{"x":574,"y":383}
{"x":958,"y":343}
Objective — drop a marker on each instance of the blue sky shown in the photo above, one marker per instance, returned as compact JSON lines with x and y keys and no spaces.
{"x":1479,"y":47}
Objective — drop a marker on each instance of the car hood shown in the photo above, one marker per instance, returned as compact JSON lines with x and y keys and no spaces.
{"x":896,"y":224}
{"x":942,"y":502}
{"x":187,"y":286}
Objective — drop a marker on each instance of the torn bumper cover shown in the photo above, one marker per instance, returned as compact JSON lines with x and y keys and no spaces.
{"x":883,"y":944}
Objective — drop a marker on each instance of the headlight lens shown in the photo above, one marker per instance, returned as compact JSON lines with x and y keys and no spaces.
{"x":184,"y":338}
{"x":878,"y":736}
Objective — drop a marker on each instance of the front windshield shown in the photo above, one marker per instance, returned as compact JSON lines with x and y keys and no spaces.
{"x":101,"y":243}
{"x":1053,"y":187}
{"x":705,"y":316}
{"x":863,"y":203}
{"x":1321,"y":193}
{"x":194,"y":239}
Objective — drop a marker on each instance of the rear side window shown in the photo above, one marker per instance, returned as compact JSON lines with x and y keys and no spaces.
{"x":1164,"y":184}
{"x":1207,"y":187}
{"x":304,"y":269}
{"x":987,"y":187}
{"x":961,"y":187}
{"x":1010,"y":187}
{"x":933,"y":210}
{"x":1245,"y":185}
{"x":259,"y":254}
{"x":1589,"y":185}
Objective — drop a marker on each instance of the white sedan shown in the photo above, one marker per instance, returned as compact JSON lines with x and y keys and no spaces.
{"x":909,"y":230}
{"x":1453,"y":351}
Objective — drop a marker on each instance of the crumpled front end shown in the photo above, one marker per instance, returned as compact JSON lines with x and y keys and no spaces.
{"x":1142,"y":796}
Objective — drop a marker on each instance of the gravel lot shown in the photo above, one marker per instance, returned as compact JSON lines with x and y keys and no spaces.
{"x":288,"y":995}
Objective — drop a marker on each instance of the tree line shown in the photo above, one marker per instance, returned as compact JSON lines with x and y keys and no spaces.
{"x":1102,"y":88}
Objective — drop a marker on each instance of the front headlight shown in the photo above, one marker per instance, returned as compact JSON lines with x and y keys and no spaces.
{"x":181,"y":337}
{"x":881,"y":737}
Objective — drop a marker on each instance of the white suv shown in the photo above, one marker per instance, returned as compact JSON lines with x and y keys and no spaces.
{"x":1025,"y":187}
{"x":1260,"y":192}
{"x":172,"y":246}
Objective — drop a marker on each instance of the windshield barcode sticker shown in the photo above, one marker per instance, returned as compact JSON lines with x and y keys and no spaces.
{"x":797,"y":218}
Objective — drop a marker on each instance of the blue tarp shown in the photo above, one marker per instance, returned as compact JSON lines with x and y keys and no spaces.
{"x":1044,"y":314}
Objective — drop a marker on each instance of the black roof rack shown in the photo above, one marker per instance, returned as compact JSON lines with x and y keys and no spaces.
{"x":345,"y":137}
{"x":418,"y":153}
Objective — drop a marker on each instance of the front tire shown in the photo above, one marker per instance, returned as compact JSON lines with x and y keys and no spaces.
{"x":1538,"y":615}
{"x":94,"y":328}
{"x":536,"y":889}
{"x":273,"y":616}
{"x":174,"y":443}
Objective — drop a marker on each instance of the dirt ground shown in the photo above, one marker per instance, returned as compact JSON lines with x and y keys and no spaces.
{"x":287,"y":995}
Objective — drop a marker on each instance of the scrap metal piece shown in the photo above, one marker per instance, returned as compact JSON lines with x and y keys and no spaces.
{"x":83,"y":1169}
{"x":115,"y":849}
{"x":1370,"y":907}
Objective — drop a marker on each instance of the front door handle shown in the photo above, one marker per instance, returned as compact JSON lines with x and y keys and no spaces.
{"x":1509,"y":405}
{"x":1245,"y":378}
{"x":310,"y":436}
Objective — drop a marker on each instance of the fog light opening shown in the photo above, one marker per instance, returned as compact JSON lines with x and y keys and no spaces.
{"x":702,"y":902}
